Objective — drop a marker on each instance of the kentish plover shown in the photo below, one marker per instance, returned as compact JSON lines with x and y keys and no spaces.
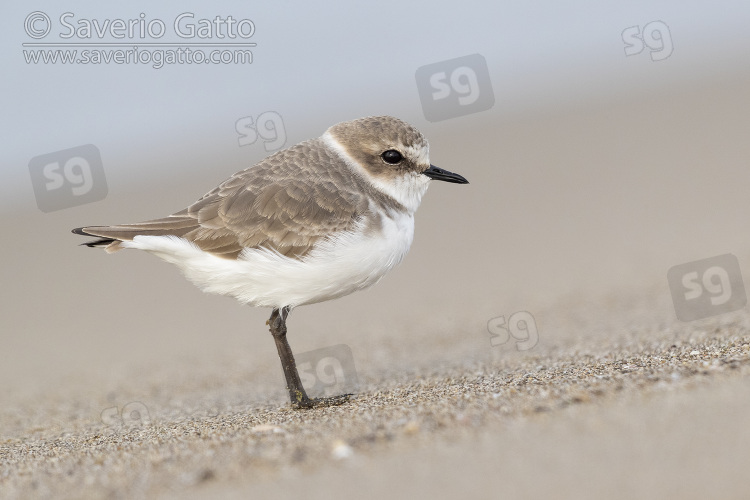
{"x":314,"y":222}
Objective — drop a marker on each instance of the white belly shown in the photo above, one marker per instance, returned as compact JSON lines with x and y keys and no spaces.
{"x":264,"y":278}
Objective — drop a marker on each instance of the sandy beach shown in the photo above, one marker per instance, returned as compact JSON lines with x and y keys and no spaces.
{"x":655,"y":413}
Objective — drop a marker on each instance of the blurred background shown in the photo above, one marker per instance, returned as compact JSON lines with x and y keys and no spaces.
{"x":605,"y":143}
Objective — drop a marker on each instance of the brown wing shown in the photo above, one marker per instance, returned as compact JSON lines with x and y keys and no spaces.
{"x":281,"y":203}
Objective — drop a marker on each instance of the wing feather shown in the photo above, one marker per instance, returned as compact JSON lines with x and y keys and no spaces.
{"x":282,"y":203}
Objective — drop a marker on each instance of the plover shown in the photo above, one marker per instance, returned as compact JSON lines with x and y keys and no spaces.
{"x":314,"y":222}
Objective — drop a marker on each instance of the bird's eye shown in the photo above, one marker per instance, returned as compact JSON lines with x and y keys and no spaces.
{"x":392,"y":156}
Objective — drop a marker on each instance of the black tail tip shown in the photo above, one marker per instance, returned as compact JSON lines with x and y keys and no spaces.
{"x":95,"y":243}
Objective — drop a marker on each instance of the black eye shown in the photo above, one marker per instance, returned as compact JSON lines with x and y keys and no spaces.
{"x":392,"y":156}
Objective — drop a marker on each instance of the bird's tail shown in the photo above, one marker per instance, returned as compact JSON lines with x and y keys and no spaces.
{"x":110,"y":237}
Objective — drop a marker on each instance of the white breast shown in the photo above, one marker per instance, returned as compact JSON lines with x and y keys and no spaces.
{"x":334,"y":268}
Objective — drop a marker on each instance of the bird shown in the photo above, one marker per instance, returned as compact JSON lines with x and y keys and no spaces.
{"x":310,"y":223}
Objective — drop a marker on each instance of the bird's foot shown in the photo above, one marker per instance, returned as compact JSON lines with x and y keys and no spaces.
{"x":309,"y":403}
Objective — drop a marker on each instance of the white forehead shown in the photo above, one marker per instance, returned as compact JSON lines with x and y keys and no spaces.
{"x":419,"y":153}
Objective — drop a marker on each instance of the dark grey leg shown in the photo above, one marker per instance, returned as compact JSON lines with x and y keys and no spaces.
{"x":297,"y":393}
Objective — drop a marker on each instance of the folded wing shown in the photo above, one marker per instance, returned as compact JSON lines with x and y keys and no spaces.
{"x":281,"y":203}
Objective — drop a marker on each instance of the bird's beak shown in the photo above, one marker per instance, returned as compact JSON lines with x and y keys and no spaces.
{"x":443,"y":175}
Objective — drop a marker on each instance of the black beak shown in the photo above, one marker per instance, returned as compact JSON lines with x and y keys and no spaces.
{"x":443,"y":175}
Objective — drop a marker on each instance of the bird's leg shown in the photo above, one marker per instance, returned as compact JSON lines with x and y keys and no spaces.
{"x":297,"y":393}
